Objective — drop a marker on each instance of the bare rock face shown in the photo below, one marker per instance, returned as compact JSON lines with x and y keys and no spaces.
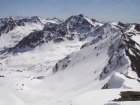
{"x":8,"y":24}
{"x":129,"y":96}
{"x":137,"y":27}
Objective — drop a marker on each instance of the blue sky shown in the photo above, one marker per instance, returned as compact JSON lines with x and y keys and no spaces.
{"x":101,"y":10}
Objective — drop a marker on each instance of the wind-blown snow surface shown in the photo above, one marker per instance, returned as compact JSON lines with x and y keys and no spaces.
{"x":70,"y":72}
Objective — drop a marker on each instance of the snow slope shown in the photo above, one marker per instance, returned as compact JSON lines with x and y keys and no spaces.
{"x":34,"y":70}
{"x":136,"y":38}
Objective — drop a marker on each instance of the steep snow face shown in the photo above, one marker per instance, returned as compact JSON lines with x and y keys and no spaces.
{"x":136,"y":39}
{"x":133,"y":31}
{"x":101,"y":58}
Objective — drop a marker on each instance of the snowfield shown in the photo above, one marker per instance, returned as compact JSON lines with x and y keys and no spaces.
{"x":88,"y":68}
{"x":28,"y":76}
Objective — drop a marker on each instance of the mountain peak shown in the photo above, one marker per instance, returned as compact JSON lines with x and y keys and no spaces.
{"x":81,"y":15}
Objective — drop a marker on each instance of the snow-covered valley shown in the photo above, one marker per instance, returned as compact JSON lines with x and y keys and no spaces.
{"x":77,"y":62}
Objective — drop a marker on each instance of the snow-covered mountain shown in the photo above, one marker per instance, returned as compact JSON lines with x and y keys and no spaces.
{"x":78,"y":26}
{"x":8,"y":24}
{"x":13,"y":30}
{"x":55,"y":61}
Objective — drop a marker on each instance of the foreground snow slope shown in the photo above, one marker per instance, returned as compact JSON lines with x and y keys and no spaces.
{"x":30,"y":74}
